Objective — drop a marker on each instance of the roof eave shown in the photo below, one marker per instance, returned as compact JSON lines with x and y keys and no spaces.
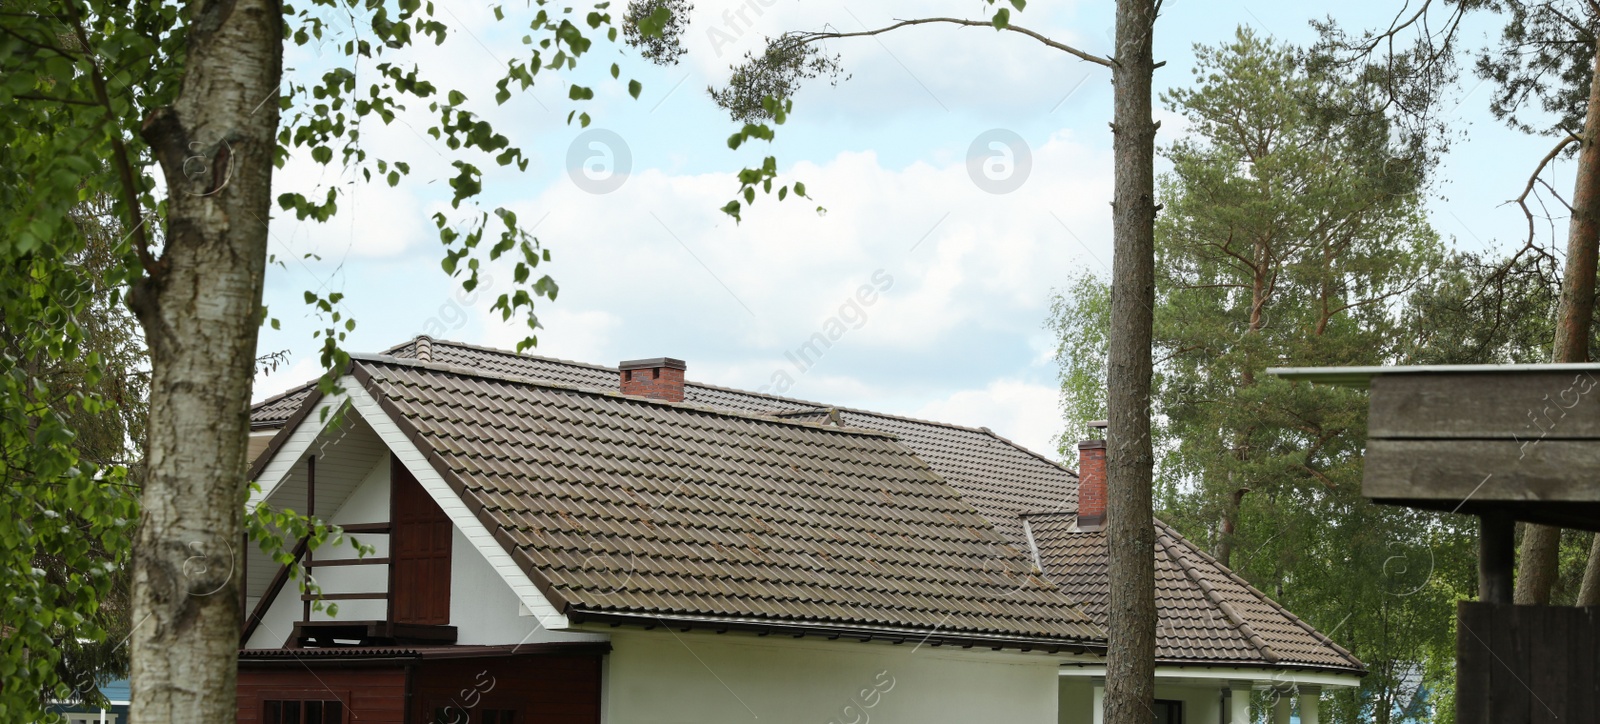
{"x":800,"y":629}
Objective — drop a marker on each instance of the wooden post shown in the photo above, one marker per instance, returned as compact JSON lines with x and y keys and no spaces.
{"x":244,"y":578}
{"x":1496,"y":557}
{"x":311,"y":512}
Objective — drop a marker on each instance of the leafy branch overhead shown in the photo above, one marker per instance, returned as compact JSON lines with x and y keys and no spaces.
{"x":761,"y":87}
{"x":325,"y":119}
{"x":655,"y":28}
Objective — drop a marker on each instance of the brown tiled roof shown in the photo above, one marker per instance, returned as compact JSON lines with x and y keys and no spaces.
{"x":275,"y":410}
{"x":623,"y":506}
{"x":1005,"y":483}
{"x":1206,"y":613}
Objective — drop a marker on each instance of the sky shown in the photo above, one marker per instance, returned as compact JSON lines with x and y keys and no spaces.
{"x":962,"y":175}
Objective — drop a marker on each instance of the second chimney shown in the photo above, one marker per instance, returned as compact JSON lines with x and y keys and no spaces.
{"x":660,"y":378}
{"x":1092,"y":481}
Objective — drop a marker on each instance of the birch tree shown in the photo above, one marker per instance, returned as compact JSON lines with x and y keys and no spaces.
{"x":99,"y":97}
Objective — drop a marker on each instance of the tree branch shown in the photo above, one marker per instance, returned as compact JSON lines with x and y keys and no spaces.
{"x":119,"y":155}
{"x":52,"y":99}
{"x":1522,"y":199}
{"x":811,"y":37}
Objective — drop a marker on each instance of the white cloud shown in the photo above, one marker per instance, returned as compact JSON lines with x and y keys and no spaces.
{"x":272,"y":382}
{"x":578,"y":335}
{"x":1022,"y":412}
{"x":668,"y":270}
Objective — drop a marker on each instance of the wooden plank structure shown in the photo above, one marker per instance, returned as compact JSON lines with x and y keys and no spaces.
{"x":1506,"y":443}
{"x":1526,"y":664}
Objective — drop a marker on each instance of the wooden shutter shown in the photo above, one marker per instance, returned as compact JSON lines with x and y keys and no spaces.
{"x":419,"y":552}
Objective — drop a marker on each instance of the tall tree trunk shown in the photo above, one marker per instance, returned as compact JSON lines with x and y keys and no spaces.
{"x":1536,"y":569}
{"x":1130,"y":534}
{"x":1589,"y":593}
{"x":200,"y":308}
{"x":1230,"y":525}
{"x":1536,"y":565}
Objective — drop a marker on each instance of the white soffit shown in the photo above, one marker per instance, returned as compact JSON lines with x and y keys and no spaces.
{"x":294,"y":448}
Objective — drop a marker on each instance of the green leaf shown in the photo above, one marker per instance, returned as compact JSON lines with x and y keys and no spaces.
{"x":1002,"y":18}
{"x":634,"y":87}
{"x":654,"y":24}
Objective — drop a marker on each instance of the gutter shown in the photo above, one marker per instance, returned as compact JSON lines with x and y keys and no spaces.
{"x":834,"y":631}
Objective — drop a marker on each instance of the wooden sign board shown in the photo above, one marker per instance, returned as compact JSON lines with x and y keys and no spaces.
{"x":1523,"y":440}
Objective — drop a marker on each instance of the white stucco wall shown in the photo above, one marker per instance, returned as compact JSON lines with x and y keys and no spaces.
{"x":485,"y":610}
{"x":666,"y":677}
{"x":1076,"y":702}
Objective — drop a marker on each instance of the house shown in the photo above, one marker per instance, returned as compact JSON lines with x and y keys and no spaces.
{"x":565,"y":542}
{"x":77,"y":711}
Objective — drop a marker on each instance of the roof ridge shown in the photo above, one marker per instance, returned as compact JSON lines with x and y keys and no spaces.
{"x":1243,"y":626}
{"x":1008,"y":441}
{"x":511,"y":353}
{"x":765,"y":395}
{"x":534,"y":382}
{"x":1264,"y":598}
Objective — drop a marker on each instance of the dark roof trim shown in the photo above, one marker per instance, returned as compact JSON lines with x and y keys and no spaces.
{"x":835,"y":631}
{"x":1231,"y":664}
{"x":1360,"y":377}
{"x":414,"y":653}
{"x":642,"y":364}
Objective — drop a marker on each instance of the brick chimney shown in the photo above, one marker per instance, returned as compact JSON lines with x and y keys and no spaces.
{"x":660,"y":378}
{"x":1092,"y":481}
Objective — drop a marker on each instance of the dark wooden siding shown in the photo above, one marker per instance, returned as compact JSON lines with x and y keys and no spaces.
{"x":1519,"y":442}
{"x":548,"y":690}
{"x":420,"y":551}
{"x":1527,"y":664}
{"x":372,"y":695}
